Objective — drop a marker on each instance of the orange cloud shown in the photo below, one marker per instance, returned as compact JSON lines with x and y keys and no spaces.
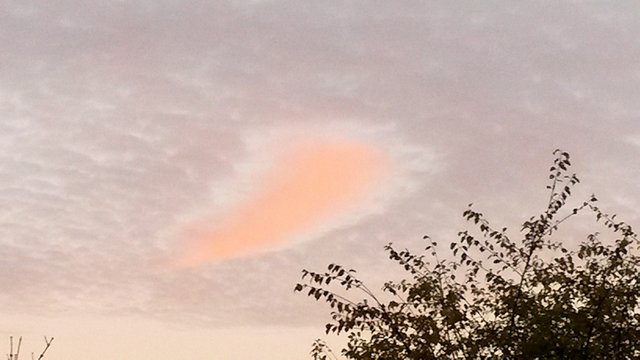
{"x":311,"y":182}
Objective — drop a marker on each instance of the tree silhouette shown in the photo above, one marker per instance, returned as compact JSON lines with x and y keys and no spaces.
{"x":14,"y":354}
{"x":501,"y":297}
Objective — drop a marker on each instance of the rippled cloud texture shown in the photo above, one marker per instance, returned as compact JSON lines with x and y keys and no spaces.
{"x":139,"y":134}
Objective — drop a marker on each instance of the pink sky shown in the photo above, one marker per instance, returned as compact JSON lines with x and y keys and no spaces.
{"x":126,"y":127}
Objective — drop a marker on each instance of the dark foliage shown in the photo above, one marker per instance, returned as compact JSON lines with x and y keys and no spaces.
{"x":533,"y":297}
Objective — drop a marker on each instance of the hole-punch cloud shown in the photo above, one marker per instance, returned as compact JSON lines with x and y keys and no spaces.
{"x":310,"y":182}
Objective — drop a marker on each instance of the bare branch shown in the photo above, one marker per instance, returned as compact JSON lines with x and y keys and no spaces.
{"x":48,"y":343}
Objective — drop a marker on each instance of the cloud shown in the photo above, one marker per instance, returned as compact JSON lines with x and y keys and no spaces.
{"x":310,"y":181}
{"x":123,"y":122}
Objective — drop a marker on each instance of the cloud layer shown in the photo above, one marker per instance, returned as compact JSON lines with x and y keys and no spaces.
{"x":121,"y":122}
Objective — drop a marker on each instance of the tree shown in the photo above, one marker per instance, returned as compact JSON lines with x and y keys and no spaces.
{"x":499,"y":298}
{"x":15,"y":354}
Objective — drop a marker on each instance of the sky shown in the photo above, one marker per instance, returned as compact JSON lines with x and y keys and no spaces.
{"x":168,"y":168}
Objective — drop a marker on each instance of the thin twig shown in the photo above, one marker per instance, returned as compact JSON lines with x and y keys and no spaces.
{"x":48,"y":342}
{"x":18,"y":350}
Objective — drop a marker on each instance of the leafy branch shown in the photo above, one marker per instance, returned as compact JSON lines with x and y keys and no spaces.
{"x":530,"y":298}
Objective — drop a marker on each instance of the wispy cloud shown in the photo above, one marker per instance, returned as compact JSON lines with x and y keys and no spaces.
{"x":311,"y":180}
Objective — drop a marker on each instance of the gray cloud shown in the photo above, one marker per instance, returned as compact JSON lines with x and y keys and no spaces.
{"x":118,"y":117}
